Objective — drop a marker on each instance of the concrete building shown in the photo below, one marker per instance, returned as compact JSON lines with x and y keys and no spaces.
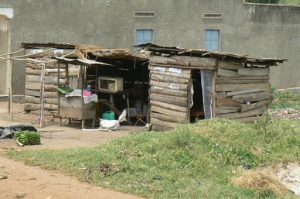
{"x":229,"y":25}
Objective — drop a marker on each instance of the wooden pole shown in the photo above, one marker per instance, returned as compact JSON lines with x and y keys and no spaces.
{"x":58,"y":94}
{"x":9,"y":72}
{"x":42,"y":101}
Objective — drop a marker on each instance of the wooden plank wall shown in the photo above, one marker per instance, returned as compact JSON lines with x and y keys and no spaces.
{"x":241,"y":93}
{"x":168,"y":96}
{"x":33,"y":85}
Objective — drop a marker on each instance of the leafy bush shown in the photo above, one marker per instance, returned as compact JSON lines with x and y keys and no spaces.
{"x":28,"y":138}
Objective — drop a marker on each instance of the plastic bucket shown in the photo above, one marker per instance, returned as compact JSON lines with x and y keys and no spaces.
{"x":109,"y":115}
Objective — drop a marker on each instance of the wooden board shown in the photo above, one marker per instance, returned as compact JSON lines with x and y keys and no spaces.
{"x":36,"y":93}
{"x":48,"y":79}
{"x":168,"y":112}
{"x":252,"y":97}
{"x":169,"y":106}
{"x":165,"y":91}
{"x":226,"y":73}
{"x":223,"y":110}
{"x":172,"y":86}
{"x":169,"y":74}
{"x":169,"y":69}
{"x":251,"y":113}
{"x":159,"y":123}
{"x":229,"y":65}
{"x":36,"y":100}
{"x":221,"y":80}
{"x":180,"y":101}
{"x":168,"y":79}
{"x":37,"y":86}
{"x":245,"y":107}
{"x":167,"y":118}
{"x":187,"y":61}
{"x":240,"y":87}
{"x":227,"y":101}
{"x":35,"y":107}
{"x":254,"y":71}
{"x":245,"y":92}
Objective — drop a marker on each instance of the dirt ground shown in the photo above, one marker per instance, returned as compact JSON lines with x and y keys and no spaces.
{"x":37,"y":183}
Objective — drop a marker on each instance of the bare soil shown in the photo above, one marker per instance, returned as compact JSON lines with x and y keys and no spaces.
{"x":42,"y":184}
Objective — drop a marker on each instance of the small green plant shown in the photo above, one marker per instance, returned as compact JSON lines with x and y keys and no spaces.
{"x":27,"y":138}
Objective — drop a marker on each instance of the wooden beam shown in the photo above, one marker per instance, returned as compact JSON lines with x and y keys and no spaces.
{"x":168,"y":112}
{"x":229,"y":94}
{"x":167,"y":118}
{"x":248,"y":107}
{"x":165,"y":91}
{"x":167,"y":125}
{"x":229,"y":65}
{"x":221,"y":80}
{"x":226,"y":73}
{"x":240,"y":87}
{"x":172,"y":86}
{"x":169,"y":74}
{"x":251,"y":113}
{"x":252,"y":97}
{"x":223,"y":110}
{"x":169,"y":106}
{"x":168,"y":79}
{"x":254,"y":71}
{"x":227,"y":101}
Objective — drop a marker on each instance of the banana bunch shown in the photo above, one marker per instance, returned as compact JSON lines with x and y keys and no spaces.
{"x":27,"y":138}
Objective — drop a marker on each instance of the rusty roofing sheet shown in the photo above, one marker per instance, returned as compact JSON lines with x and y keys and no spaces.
{"x":206,"y":53}
{"x":48,"y":45}
{"x":83,"y":61}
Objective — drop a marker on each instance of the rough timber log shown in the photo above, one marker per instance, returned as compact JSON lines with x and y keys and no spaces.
{"x":169,"y":106}
{"x":229,"y":65}
{"x":167,"y":118}
{"x":168,"y":79}
{"x":37,"y":86}
{"x":165,"y":91}
{"x":246,"y":107}
{"x":240,"y":87}
{"x":36,"y":93}
{"x":251,"y":113}
{"x":252,"y":97}
{"x":226,"y":73}
{"x":172,"y":86}
{"x":180,"y":101}
{"x":162,"y":125}
{"x":35,"y":100}
{"x":48,"y":79}
{"x":254,"y":71}
{"x":168,"y":112}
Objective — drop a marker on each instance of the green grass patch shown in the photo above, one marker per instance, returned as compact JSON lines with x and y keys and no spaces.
{"x":285,"y":99}
{"x":192,"y":161}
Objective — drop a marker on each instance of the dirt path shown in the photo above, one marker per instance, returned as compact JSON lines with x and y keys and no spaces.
{"x":40,"y":184}
{"x":37,"y":183}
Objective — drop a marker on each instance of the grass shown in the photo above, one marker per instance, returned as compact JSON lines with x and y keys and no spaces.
{"x":192,"y":161}
{"x":285,"y":99}
{"x":291,"y":2}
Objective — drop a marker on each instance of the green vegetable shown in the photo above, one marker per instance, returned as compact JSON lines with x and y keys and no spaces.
{"x":27,"y":138}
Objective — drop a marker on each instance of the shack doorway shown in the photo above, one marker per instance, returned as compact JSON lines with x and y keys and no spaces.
{"x":201,"y":92}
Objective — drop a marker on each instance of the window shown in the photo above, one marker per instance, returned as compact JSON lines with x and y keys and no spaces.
{"x":144,"y":14}
{"x":143,"y":36}
{"x":212,"y":40}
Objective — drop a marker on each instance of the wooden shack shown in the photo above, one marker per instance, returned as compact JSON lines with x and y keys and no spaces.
{"x":40,"y":56}
{"x":187,"y":85}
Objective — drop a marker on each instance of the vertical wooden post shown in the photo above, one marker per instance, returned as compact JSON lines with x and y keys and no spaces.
{"x":42,"y":100}
{"x":58,"y":94}
{"x":9,"y":70}
{"x":82,"y":76}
